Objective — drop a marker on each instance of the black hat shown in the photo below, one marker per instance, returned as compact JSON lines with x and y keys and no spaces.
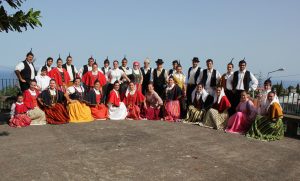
{"x":195,"y":59}
{"x":159,"y":61}
{"x":124,"y":58}
{"x":59,"y":57}
{"x":69,"y":56}
{"x":175,"y":61}
{"x":230,"y":63}
{"x":106,"y":60}
{"x":268,"y":81}
{"x":29,"y":53}
{"x":91,"y":58}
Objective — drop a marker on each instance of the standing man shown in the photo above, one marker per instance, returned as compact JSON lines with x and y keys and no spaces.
{"x":128,"y":72}
{"x":146,"y":72}
{"x":105,"y":69}
{"x":209,"y":77}
{"x":88,"y":67}
{"x":227,"y":86}
{"x":241,"y":81}
{"x":47,"y":65}
{"x":193,"y":75}
{"x":175,"y":64}
{"x":160,"y":77}
{"x":71,"y":69}
{"x":26,"y":71}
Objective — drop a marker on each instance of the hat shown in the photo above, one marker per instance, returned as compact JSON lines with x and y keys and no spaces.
{"x":69,"y":56}
{"x":59,"y":57}
{"x":268,"y":81}
{"x":124,"y":58}
{"x":136,"y":63}
{"x":147,"y":60}
{"x":175,"y":62}
{"x":106,"y":60}
{"x":159,"y":61}
{"x":230,"y":63}
{"x":195,"y":59}
{"x":29,"y":53}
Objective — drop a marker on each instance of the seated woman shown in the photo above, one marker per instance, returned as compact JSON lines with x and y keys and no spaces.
{"x":78,"y":111}
{"x":93,"y":98}
{"x":153,"y":104}
{"x":18,"y":114}
{"x":201,"y":102}
{"x":172,"y":104}
{"x":217,"y":116}
{"x":90,"y":77}
{"x":245,"y":114}
{"x":52,"y":101}
{"x":36,"y":115}
{"x":116,"y":109}
{"x":268,"y":127}
{"x":133,"y":100}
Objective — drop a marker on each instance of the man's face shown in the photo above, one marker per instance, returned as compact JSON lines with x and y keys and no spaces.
{"x":29,"y":58}
{"x":195,"y":64}
{"x":106,"y":64}
{"x":69,"y":61}
{"x":124,"y":63}
{"x":242,"y":66}
{"x":209,"y":65}
{"x":146,"y":64}
{"x":271,"y":97}
{"x":159,"y":66}
{"x":229,"y":68}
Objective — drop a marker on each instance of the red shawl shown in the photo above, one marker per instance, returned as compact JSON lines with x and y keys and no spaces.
{"x":55,"y":74}
{"x":223,"y":105}
{"x":114,"y":98}
{"x":134,"y":99}
{"x":89,"y":79}
{"x":29,"y":100}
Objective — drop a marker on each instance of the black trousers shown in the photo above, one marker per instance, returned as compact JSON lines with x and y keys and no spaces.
{"x":236,"y":99}
{"x":229,"y":94}
{"x":24,"y":85}
{"x":190,"y":88}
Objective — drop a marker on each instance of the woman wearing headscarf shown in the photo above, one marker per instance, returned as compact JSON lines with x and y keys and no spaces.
{"x":153,"y":104}
{"x":116,"y":108}
{"x":93,"y":98}
{"x":172,"y":104}
{"x":217,"y":116}
{"x":52,"y":101}
{"x":78,"y":110}
{"x":268,"y":127}
{"x":201,"y":102}
{"x":241,"y":121}
{"x":133,"y":100}
{"x":137,"y":76}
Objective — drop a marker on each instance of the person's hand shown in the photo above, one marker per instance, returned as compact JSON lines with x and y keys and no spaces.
{"x":22,"y":80}
{"x":145,"y":106}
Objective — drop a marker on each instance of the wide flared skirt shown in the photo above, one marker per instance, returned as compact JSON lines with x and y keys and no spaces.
{"x":20,"y":120}
{"x":266,"y":130}
{"x":238,"y":123}
{"x":172,"y":111}
{"x":57,"y":114}
{"x":152,"y":113}
{"x":37,"y":116}
{"x":79,"y":112}
{"x":99,"y":112}
{"x":214,"y":119}
{"x":194,"y":115}
{"x":134,"y":112}
{"x":117,"y":113}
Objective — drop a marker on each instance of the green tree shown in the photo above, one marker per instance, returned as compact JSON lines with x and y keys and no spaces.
{"x":20,"y":20}
{"x":279,"y":89}
{"x":298,"y":88}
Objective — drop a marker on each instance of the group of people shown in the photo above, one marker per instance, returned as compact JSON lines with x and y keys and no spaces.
{"x":61,"y":94}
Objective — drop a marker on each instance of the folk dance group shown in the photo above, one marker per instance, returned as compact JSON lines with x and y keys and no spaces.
{"x":61,"y":94}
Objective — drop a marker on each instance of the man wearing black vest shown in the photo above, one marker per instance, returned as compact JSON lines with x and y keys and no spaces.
{"x":241,"y":81}
{"x":146,"y":72}
{"x":26,"y":71}
{"x":105,"y":69}
{"x":128,"y":72}
{"x":175,"y":64}
{"x":209,"y":77}
{"x":71,"y":69}
{"x":87,"y":67}
{"x":193,"y":75}
{"x":160,"y":77}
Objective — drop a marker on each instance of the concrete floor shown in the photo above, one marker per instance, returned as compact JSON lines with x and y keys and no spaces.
{"x":142,"y":150}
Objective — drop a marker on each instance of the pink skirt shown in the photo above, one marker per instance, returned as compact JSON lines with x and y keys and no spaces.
{"x":20,"y":120}
{"x":152,"y":113}
{"x":172,"y":111}
{"x":238,"y":123}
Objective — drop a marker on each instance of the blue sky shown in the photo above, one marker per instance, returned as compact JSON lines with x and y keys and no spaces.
{"x":265,"y":32}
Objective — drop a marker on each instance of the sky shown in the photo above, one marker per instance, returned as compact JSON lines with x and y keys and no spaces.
{"x":265,"y":32}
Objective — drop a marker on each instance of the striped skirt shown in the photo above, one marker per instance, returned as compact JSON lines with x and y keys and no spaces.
{"x":57,"y":114}
{"x":214,"y":119}
{"x":194,"y":115}
{"x":266,"y":130}
{"x":20,"y":120}
{"x":172,"y":111}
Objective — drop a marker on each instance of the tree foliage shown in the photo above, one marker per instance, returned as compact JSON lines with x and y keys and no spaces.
{"x":20,"y":20}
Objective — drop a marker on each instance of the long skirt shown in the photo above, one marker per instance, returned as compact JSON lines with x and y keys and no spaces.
{"x":172,"y":111}
{"x":117,"y":113}
{"x":37,"y":116}
{"x":238,"y":123}
{"x":57,"y":114}
{"x":265,"y":129}
{"x":194,"y":115}
{"x":214,"y":119}
{"x":80,"y":112}
{"x":152,"y":113}
{"x":99,"y":112}
{"x":20,"y":120}
{"x":133,"y":112}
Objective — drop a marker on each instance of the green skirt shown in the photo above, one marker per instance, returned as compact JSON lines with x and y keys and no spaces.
{"x":194,"y":115}
{"x":266,"y":130}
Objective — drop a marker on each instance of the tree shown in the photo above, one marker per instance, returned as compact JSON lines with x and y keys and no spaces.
{"x":298,"y":88}
{"x":279,"y":89}
{"x":20,"y":20}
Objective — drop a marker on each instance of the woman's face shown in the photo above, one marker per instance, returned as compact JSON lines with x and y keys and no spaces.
{"x":95,"y":67}
{"x":117,"y":86}
{"x":77,"y":82}
{"x":244,"y":96}
{"x":136,"y":66}
{"x":171,"y":81}
{"x":199,"y":88}
{"x":116,"y":65}
{"x":20,"y":99}
{"x":49,"y":62}
{"x":131,"y":86}
{"x":32,"y":85}
{"x":97,"y":86}
{"x":52,"y":84}
{"x":219,"y":90}
{"x":150,"y":88}
{"x":59,"y":63}
{"x":267,"y":87}
{"x":179,"y":69}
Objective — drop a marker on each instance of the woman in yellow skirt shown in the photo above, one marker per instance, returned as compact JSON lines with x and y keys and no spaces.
{"x":79,"y":112}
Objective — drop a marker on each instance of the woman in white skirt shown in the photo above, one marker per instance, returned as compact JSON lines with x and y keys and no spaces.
{"x":116,"y":109}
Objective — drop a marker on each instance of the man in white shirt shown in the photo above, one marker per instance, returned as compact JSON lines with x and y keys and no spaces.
{"x":209,"y":77}
{"x":105,"y":69}
{"x":241,"y":81}
{"x":25,"y":71}
{"x":42,"y":80}
{"x":128,"y":72}
{"x":71,"y":69}
{"x":193,"y":75}
{"x":146,"y":72}
{"x":87,"y":67}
